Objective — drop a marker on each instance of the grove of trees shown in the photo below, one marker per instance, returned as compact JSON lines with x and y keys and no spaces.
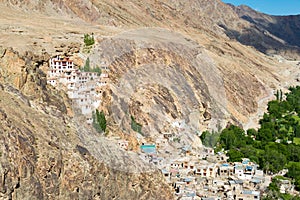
{"x":275,"y":145}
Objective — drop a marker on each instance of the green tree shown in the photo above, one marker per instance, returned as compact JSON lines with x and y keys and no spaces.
{"x":274,"y":185}
{"x":294,"y":172}
{"x":99,"y":121}
{"x":136,"y":126}
{"x":282,"y":121}
{"x":274,"y":191}
{"x":250,"y":152}
{"x":235,"y":155}
{"x":278,"y":95}
{"x":293,"y":153}
{"x":232,"y":137}
{"x":252,"y":132}
{"x":89,"y":39}
{"x":209,"y":139}
{"x":97,"y":69}
{"x":87,"y":67}
{"x":272,"y":160}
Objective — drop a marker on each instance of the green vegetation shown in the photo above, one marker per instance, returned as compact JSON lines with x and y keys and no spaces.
{"x":275,"y":145}
{"x":99,"y":121}
{"x":88,"y":39}
{"x":209,"y":139}
{"x":274,"y":191}
{"x":176,"y":140}
{"x":294,"y":172}
{"x":278,"y":95}
{"x":296,"y":141}
{"x":136,"y":126}
{"x":87,"y":67}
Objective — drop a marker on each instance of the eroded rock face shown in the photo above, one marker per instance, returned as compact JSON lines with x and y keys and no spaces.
{"x":247,"y":74}
{"x":47,"y":155}
{"x":161,"y":79}
{"x":23,"y":73}
{"x":42,"y":158}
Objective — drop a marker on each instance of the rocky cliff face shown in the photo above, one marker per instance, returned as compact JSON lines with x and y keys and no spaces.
{"x":160,"y":80}
{"x":45,"y":154}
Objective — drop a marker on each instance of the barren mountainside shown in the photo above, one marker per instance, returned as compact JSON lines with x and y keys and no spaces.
{"x":170,"y":61}
{"x":45,"y":154}
{"x":270,"y":34}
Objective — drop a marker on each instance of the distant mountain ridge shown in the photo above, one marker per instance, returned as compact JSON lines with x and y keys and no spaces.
{"x":269,"y":34}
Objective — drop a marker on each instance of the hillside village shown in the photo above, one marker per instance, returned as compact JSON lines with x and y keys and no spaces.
{"x":83,"y":88}
{"x":192,"y":173}
{"x":204,"y":175}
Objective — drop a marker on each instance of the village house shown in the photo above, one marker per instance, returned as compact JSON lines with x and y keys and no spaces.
{"x":60,"y":70}
{"x":206,"y":169}
{"x":248,"y":195}
{"x":285,"y":186}
{"x":166,"y":173}
{"x":257,"y":178}
{"x":239,"y":171}
{"x":236,"y":185}
{"x":211,"y":177}
{"x":211,"y":198}
{"x":205,"y":153}
{"x":178,"y":163}
{"x":208,"y":151}
{"x":226,"y":170}
{"x":149,"y":149}
{"x":187,"y":150}
{"x":123,"y":144}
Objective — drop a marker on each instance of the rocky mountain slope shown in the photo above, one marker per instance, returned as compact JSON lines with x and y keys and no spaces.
{"x":169,"y":61}
{"x":270,"y":34}
{"x":46,"y":154}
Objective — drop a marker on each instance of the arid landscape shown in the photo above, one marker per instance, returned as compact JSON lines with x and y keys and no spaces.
{"x":202,"y":63}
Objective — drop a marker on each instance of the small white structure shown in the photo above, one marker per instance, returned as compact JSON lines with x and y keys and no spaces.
{"x":123,"y":144}
{"x":239,"y":171}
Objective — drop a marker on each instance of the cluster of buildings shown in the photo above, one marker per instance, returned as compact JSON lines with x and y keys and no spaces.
{"x":202,"y":174}
{"x":197,"y":173}
{"x":83,"y":88}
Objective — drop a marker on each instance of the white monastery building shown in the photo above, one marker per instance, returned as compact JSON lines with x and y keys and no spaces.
{"x":83,"y":88}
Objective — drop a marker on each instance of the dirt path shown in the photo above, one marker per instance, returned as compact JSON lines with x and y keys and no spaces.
{"x":262,"y":104}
